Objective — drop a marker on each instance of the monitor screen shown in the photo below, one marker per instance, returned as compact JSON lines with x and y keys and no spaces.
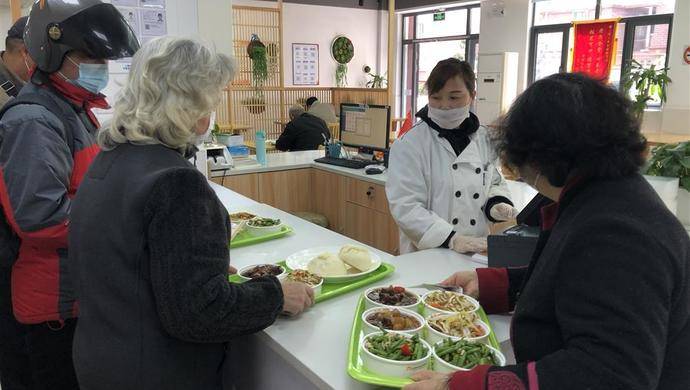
{"x":365,"y":126}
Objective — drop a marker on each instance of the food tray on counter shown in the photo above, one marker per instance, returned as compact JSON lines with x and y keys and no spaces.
{"x":332,"y":290}
{"x":355,"y":367}
{"x":245,"y":238}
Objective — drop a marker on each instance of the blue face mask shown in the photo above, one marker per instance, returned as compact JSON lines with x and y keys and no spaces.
{"x":92,"y":77}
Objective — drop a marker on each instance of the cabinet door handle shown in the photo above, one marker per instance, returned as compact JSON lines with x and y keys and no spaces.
{"x":370,"y":192}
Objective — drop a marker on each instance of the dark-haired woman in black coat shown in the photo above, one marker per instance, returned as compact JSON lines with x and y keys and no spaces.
{"x":605,"y":302}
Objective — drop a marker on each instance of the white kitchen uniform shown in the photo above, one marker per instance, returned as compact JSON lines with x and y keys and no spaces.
{"x":432,"y":192}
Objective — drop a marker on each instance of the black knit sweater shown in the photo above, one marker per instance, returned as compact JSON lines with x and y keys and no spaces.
{"x":149,"y":247}
{"x":604,"y":305}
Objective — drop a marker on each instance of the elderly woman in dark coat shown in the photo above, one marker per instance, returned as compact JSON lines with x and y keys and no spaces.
{"x":148,"y":238}
{"x":605,"y":302}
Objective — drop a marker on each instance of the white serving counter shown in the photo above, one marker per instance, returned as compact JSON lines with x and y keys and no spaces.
{"x":310,"y":351}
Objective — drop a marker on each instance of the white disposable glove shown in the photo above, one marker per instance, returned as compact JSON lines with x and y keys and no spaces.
{"x":503,"y":212}
{"x":466,"y":244}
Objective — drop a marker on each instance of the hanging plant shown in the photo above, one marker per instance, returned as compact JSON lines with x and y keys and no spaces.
{"x":256,"y":51}
{"x":272,"y":55}
{"x":342,"y":51}
{"x":341,"y":75}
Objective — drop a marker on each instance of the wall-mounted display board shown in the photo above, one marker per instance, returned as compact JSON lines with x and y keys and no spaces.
{"x":305,"y":64}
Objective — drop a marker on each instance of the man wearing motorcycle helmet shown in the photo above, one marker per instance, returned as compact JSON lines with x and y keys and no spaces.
{"x":46,"y":146}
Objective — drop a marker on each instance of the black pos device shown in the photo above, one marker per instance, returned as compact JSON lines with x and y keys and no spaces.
{"x":514,"y":246}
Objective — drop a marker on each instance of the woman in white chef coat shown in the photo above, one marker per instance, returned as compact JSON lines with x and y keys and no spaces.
{"x":443,"y":184}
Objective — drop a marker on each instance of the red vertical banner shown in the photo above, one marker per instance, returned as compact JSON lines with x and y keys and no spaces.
{"x":595,"y":47}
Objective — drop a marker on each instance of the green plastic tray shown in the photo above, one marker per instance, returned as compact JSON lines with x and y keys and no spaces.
{"x":332,"y":290}
{"x":246,"y":239}
{"x":354,"y":363}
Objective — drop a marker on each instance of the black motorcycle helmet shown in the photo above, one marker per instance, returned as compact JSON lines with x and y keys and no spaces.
{"x":56,"y":27}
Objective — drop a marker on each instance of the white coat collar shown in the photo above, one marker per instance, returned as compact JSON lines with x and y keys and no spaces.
{"x":470,"y":154}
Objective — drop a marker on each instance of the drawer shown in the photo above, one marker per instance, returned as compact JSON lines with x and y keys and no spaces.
{"x":367,"y":194}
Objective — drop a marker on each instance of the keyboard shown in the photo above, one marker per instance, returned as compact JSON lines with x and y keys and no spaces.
{"x":343,"y":162}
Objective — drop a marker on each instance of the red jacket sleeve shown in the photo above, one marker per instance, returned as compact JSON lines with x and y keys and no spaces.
{"x":493,"y":289}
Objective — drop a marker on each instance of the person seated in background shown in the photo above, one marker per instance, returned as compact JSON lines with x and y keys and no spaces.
{"x":153,"y":282}
{"x":321,"y":110}
{"x":605,"y":303}
{"x":303,"y":132}
{"x":310,"y":102}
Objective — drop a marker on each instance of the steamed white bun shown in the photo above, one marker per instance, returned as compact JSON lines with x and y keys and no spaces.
{"x":357,"y":257}
{"x":327,"y":264}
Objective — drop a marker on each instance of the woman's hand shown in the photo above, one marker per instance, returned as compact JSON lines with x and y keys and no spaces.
{"x":297,"y":297}
{"x":503,"y":212}
{"x":428,"y":380}
{"x":467,"y":244}
{"x":468,"y":280}
{"x":232,"y":270}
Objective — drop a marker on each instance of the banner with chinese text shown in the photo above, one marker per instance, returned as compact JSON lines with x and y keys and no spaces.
{"x":595,"y":47}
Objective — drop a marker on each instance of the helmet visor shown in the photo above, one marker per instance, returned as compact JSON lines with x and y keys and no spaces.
{"x":101,"y":32}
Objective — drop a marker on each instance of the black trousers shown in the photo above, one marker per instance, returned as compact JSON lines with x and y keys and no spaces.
{"x":34,"y":357}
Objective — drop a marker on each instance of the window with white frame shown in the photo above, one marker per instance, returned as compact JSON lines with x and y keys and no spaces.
{"x":429,"y":37}
{"x":644,"y":33}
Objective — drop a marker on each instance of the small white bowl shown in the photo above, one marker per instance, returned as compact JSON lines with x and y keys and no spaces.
{"x":241,"y":271}
{"x":369,"y":304}
{"x":378,"y":365}
{"x":258,"y":231}
{"x":317,"y":288}
{"x":430,"y":310}
{"x":433,"y":336}
{"x":369,"y":328}
{"x":444,"y":367}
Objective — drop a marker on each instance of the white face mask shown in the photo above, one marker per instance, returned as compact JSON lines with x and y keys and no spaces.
{"x":449,"y":119}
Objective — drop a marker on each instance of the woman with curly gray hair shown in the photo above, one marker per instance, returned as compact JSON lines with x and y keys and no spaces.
{"x":149,"y":238}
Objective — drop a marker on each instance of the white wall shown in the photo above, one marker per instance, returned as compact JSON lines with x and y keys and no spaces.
{"x":509,"y":32}
{"x":676,"y":112}
{"x":183,"y":20}
{"x":215,"y":24}
{"x":321,"y":24}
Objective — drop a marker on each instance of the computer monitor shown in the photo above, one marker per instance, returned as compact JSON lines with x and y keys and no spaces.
{"x":365,"y":126}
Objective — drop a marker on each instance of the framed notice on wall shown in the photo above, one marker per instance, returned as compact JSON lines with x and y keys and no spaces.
{"x":305,"y":64}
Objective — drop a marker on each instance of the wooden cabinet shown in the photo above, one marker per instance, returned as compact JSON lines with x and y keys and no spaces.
{"x":289,"y":191}
{"x":367,"y":194}
{"x":328,"y":198}
{"x":371,"y":227}
{"x":367,"y":217}
{"x":355,"y":208}
{"x":247,"y":185}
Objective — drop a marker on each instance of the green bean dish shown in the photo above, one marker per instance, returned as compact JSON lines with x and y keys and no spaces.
{"x":396,"y":347}
{"x":464,"y":354}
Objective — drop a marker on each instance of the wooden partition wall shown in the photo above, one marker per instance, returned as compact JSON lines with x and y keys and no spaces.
{"x":244,"y":108}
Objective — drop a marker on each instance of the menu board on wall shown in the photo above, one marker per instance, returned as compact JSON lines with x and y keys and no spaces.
{"x":148,"y":21}
{"x":305,"y":64}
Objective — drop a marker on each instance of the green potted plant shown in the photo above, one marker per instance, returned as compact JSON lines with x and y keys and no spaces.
{"x":376,"y":81}
{"x":342,"y":51}
{"x":649,"y":83}
{"x":672,"y":163}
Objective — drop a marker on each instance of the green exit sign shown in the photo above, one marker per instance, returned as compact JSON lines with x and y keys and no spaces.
{"x":439,"y":16}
